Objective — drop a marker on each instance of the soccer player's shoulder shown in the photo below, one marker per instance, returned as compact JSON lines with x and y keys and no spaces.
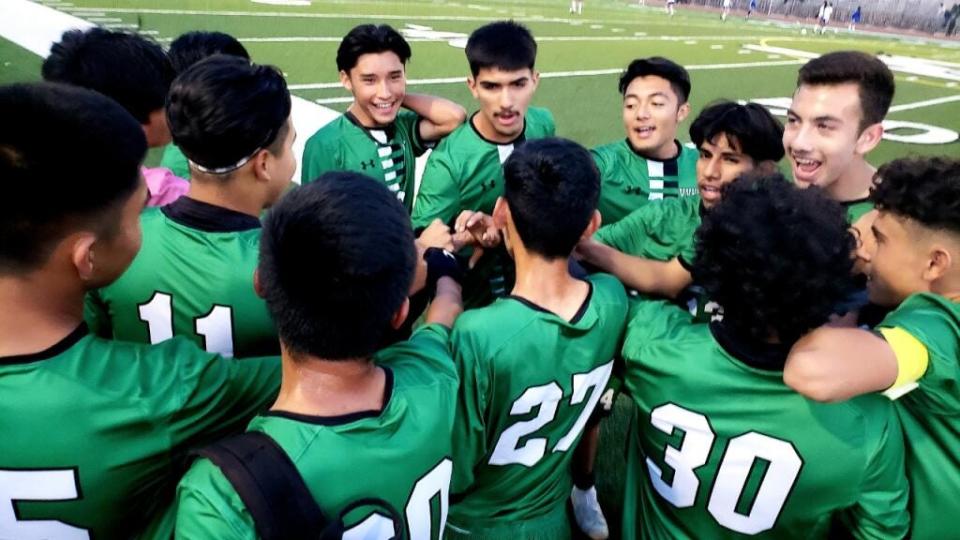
{"x":424,"y":358}
{"x":607,"y":290}
{"x":539,"y":123}
{"x":209,"y":506}
{"x":656,"y":321}
{"x":490,"y":328}
{"x":329,"y":135}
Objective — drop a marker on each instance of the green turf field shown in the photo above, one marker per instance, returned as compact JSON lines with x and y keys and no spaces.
{"x":579,"y":59}
{"x":302,"y":40}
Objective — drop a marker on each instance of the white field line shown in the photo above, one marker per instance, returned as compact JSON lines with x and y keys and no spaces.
{"x":337,"y":39}
{"x":563,"y":74}
{"x":36,"y":27}
{"x":922,"y":104}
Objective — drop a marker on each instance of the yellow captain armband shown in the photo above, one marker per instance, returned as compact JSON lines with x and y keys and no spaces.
{"x":912,"y":360}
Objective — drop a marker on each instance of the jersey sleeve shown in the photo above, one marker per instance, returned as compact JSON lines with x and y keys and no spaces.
{"x":209,"y":507}
{"x":96,"y":315}
{"x":630,"y":234}
{"x":551,"y":124}
{"x":318,"y":158}
{"x":926,"y":325}
{"x":469,"y":427}
{"x":212,"y":396}
{"x":439,"y":195}
{"x":881,"y":510}
{"x":408,"y":122}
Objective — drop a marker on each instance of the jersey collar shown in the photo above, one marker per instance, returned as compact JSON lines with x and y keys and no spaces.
{"x":577,"y":317}
{"x":671,"y":167}
{"x":208,"y":217}
{"x":54,"y":350}
{"x":390,"y":130}
{"x":343,"y":418}
{"x":763,"y":356}
{"x":516,"y":141}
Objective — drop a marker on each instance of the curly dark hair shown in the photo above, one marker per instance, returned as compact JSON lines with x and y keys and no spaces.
{"x":924,"y":189}
{"x":777,"y":258}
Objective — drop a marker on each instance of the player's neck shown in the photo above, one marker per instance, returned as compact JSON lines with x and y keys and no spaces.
{"x":489,"y":134}
{"x":548,"y":284}
{"x":229,"y":195}
{"x":39,"y":310}
{"x":854,"y":184}
{"x":316,"y":387}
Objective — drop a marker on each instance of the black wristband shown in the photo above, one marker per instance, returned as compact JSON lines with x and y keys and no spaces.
{"x":440,"y":263}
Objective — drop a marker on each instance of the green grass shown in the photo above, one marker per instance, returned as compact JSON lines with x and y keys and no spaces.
{"x":587,"y":108}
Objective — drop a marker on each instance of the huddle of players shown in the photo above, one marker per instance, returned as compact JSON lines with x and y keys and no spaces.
{"x":721,"y":446}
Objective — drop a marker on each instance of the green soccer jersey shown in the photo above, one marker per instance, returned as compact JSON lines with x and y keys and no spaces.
{"x":930,"y":415}
{"x":529,"y":382}
{"x":465,"y":172}
{"x":630,"y":181}
{"x":174,"y":159}
{"x":856,"y":209}
{"x":388,"y":154}
{"x":192,"y":277}
{"x":95,"y":430}
{"x":400,"y":454}
{"x":722,"y":448}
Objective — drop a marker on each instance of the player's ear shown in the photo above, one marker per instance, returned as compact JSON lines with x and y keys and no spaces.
{"x":683,"y":111}
{"x":869,"y":138}
{"x":472,"y":85}
{"x":501,"y":213}
{"x":400,"y":315}
{"x":595,"y":221}
{"x":535,"y":78}
{"x":345,"y":81}
{"x":257,"y":288}
{"x":261,"y":162}
{"x":939,"y":263}
{"x":83,"y":255}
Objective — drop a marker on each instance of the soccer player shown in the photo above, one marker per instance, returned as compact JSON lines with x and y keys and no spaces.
{"x":185,"y":51}
{"x":650,"y":164}
{"x":356,"y":423}
{"x":376,"y":136}
{"x":652,"y":249}
{"x":464,"y":171}
{"x":914,"y":352}
{"x":670,"y":7}
{"x":722,"y":448}
{"x":751,"y":8}
{"x":133,"y":71}
{"x":548,"y":347}
{"x":95,"y":429}
{"x":834,"y":121}
{"x":194,"y":274}
{"x":726,"y":10}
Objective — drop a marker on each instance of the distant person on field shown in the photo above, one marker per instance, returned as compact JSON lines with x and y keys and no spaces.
{"x":855,"y":19}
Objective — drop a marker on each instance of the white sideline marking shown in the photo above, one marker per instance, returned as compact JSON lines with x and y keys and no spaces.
{"x":922,"y":104}
{"x":322,"y":101}
{"x":36,"y":27}
{"x":561,"y":74}
{"x":336,"y":39}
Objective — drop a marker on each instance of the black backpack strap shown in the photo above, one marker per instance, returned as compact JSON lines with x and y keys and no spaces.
{"x":270,"y":486}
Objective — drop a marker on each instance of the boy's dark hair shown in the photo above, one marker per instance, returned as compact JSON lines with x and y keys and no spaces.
{"x":872,"y":77}
{"x":661,"y":67}
{"x":552,"y":187}
{"x":129,"y":68}
{"x":777,"y":258}
{"x":923,"y":189}
{"x":337,"y":305}
{"x":505,"y":45}
{"x":370,"y":39}
{"x":192,"y":47}
{"x":69,"y":159}
{"x":750,"y":128}
{"x":223,"y":109}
